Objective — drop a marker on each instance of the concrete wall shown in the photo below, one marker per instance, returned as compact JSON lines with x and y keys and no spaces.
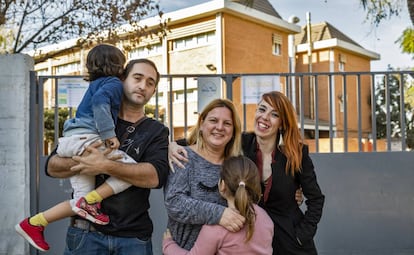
{"x":369,"y":205}
{"x":14,"y":149}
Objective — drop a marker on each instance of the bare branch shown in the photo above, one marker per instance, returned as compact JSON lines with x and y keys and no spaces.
{"x":43,"y":22}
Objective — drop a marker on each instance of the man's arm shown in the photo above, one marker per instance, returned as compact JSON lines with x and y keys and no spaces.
{"x":138,"y":174}
{"x":150,"y":172}
{"x":141,"y":175}
{"x":59,"y":167}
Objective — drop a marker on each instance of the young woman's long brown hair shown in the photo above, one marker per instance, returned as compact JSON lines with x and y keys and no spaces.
{"x":242,"y":181}
{"x":292,"y":138}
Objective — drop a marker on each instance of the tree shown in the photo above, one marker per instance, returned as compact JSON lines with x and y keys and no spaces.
{"x":150,"y":112}
{"x":391,"y":84}
{"x":6,"y":39}
{"x":40,"y":22}
{"x":378,"y":10}
{"x":406,"y":41}
{"x":49,"y":120}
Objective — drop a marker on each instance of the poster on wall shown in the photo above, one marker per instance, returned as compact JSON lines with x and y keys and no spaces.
{"x":71,"y":91}
{"x":254,"y":86}
{"x":209,"y":88}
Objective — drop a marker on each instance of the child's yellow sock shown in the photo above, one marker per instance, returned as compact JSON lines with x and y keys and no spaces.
{"x":38,"y":220}
{"x":93,"y":197}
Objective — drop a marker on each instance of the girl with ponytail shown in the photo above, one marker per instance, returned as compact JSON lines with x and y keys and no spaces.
{"x":239,"y":184}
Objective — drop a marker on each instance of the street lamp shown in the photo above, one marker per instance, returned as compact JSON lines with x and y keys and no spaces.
{"x":292,"y":58}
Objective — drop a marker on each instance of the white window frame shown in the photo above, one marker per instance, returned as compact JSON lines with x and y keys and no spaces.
{"x":276,"y":44}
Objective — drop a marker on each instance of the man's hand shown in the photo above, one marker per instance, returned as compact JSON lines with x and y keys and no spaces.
{"x":94,"y":160}
{"x":232,"y":220}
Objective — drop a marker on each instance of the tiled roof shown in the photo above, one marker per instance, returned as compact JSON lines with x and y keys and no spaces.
{"x":260,"y":5}
{"x":322,"y":31}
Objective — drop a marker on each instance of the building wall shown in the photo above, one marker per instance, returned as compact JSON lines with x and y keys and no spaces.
{"x":194,"y":59}
{"x":247,"y":48}
{"x":354,"y":63}
{"x":332,"y":60}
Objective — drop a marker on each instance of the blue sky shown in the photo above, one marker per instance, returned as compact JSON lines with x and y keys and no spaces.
{"x":347,"y":16}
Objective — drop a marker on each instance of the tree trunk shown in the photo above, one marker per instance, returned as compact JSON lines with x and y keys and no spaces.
{"x":410,"y":6}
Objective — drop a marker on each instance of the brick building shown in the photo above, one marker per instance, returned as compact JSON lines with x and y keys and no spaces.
{"x":224,"y":37}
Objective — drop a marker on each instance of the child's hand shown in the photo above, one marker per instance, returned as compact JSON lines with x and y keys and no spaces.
{"x":112,"y":143}
{"x":167,"y":234}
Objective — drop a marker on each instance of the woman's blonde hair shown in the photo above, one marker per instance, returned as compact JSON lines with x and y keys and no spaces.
{"x":292,"y":138}
{"x":242,"y":181}
{"x":233,"y":147}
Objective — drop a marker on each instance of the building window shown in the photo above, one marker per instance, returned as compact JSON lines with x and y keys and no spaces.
{"x":67,"y":68}
{"x":146,"y":51}
{"x":194,"y":41}
{"x":277,"y":44}
{"x":42,"y":72}
{"x":180,"y":94}
{"x":153,"y":99}
{"x":341,"y":67}
{"x":341,"y":62}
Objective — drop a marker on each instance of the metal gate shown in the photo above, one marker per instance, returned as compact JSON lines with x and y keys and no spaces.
{"x":369,"y":196}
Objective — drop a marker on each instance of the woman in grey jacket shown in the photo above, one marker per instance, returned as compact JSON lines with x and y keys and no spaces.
{"x":192,"y":196}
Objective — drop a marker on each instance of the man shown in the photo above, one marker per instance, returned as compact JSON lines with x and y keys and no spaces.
{"x":146,"y":141}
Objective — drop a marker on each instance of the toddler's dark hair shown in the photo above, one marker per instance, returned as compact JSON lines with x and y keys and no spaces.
{"x":105,"y":60}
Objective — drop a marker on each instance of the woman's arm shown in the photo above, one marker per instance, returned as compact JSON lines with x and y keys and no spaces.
{"x":314,"y":199}
{"x":208,"y":242}
{"x":177,"y":155}
{"x":182,"y":207}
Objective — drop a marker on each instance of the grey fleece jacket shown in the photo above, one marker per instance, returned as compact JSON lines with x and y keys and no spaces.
{"x":192,"y":199}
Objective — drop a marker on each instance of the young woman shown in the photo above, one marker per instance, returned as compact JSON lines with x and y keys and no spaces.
{"x":277,"y":148}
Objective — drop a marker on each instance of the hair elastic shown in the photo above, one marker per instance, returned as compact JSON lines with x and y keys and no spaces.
{"x":241,"y":183}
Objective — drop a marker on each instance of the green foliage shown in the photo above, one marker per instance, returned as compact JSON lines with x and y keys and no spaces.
{"x":393,"y":89}
{"x":406,"y":41}
{"x":6,"y":39}
{"x":150,"y":112}
{"x":49,"y":119}
{"x":379,"y":10}
{"x":409,"y":96}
